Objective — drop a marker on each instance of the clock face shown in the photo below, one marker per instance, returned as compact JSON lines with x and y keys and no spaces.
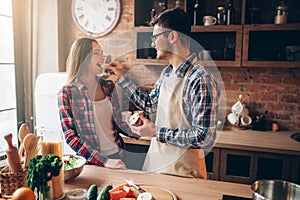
{"x":96,"y":17}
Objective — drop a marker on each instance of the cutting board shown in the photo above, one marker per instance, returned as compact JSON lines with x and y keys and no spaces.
{"x":157,"y":192}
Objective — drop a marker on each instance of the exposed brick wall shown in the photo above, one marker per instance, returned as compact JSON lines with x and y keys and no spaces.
{"x":274,"y":92}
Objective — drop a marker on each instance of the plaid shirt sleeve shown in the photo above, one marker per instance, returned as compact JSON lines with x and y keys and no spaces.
{"x":199,"y":104}
{"x":70,"y":131}
{"x":146,"y":101}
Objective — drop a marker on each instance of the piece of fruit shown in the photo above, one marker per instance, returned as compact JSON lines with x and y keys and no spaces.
{"x":145,"y":196}
{"x":127,"y":191}
{"x":117,"y":194}
{"x":23,"y":193}
{"x":134,"y":120}
{"x":120,"y":187}
{"x":92,"y":192}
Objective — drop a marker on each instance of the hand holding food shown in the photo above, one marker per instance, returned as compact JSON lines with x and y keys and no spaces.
{"x":146,"y":129}
{"x":106,"y":73}
{"x":135,"y":120}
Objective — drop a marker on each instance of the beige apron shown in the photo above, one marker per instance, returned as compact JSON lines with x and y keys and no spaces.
{"x":166,"y":158}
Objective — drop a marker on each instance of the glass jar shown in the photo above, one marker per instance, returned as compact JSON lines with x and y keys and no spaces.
{"x":52,"y":143}
{"x":282,"y":13}
{"x":77,"y":194}
{"x":282,"y":9}
{"x":221,"y":15}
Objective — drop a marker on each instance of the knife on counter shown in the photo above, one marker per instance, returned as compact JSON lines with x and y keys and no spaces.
{"x":138,"y":188}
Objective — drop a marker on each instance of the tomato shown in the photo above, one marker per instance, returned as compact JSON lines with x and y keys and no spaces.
{"x":120,"y":187}
{"x":116,"y":194}
{"x":128,"y":198}
{"x":127,"y":191}
{"x":120,"y":191}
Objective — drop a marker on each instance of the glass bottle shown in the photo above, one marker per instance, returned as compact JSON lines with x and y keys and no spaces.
{"x":196,"y":6}
{"x":221,"y":15}
{"x":177,"y":4}
{"x":152,"y":14}
{"x":230,"y":12}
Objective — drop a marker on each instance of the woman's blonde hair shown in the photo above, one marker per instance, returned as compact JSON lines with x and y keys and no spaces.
{"x":78,"y":58}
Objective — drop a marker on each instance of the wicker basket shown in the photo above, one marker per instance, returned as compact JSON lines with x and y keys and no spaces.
{"x":10,"y":181}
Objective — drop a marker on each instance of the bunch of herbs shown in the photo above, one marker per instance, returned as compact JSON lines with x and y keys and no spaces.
{"x":40,"y":171}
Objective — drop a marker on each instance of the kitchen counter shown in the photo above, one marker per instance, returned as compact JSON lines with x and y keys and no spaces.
{"x":261,"y":141}
{"x":183,"y":188}
{"x":244,"y":155}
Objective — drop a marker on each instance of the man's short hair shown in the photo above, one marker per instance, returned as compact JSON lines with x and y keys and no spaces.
{"x":175,"y":19}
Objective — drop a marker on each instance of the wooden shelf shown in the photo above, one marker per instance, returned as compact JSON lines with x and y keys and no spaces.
{"x":271,"y":27}
{"x":275,"y":64}
{"x":248,"y":52}
{"x":217,"y":28}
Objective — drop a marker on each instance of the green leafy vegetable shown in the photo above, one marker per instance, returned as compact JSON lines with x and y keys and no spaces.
{"x":41,"y":170}
{"x":69,"y":162}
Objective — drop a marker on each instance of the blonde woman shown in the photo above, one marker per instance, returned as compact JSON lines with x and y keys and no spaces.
{"x":88,"y":107}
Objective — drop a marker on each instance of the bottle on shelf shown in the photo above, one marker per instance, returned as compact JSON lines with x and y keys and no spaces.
{"x":221,"y":15}
{"x":282,"y":13}
{"x":164,"y":5}
{"x":177,"y":3}
{"x":152,"y":14}
{"x":196,"y":6}
{"x":230,"y":12}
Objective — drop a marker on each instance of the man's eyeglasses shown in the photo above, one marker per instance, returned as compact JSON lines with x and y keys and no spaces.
{"x":154,"y":37}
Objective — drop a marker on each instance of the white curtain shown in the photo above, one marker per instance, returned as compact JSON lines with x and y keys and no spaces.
{"x":36,"y":47}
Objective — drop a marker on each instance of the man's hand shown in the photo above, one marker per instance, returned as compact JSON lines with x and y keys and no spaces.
{"x":117,"y":69}
{"x":147,"y":129}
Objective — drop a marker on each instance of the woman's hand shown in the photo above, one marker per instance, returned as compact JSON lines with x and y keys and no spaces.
{"x":147,"y":129}
{"x":114,"y":164}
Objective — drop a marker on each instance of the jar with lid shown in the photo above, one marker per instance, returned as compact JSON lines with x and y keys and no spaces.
{"x":221,"y":15}
{"x":282,"y":13}
{"x":282,"y":9}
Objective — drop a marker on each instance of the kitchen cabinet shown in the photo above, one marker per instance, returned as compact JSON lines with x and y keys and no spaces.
{"x":244,"y":156}
{"x":247,"y":166}
{"x":271,"y":45}
{"x":224,"y":42}
{"x":252,"y":40}
{"x":212,"y":160}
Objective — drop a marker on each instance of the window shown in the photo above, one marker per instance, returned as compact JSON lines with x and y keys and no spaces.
{"x":8,"y":114}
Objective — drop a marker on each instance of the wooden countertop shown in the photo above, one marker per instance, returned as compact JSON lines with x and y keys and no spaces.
{"x":263,"y":141}
{"x":183,"y":188}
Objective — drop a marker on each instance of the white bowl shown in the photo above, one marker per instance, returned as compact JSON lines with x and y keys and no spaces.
{"x":70,"y":174}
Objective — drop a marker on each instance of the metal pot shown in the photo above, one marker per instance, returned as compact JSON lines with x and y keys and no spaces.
{"x":275,"y":190}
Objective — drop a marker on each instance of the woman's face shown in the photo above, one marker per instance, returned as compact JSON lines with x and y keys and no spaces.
{"x":97,"y":59}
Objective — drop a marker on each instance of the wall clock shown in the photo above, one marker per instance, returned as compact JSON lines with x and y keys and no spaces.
{"x":96,"y":18}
